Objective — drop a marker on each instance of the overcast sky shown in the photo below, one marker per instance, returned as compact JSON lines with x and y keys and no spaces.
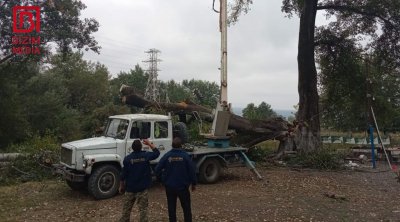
{"x":262,"y":46}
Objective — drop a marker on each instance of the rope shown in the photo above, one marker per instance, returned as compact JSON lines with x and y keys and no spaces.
{"x":213,"y":4}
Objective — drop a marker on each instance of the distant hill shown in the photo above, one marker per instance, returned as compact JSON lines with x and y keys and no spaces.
{"x":237,"y":111}
{"x":283,"y":112}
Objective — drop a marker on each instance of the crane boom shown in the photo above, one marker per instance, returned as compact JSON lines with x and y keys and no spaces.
{"x":224,"y":53}
{"x":222,"y":113}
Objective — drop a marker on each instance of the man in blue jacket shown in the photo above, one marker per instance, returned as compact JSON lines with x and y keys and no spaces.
{"x":136,"y":179}
{"x":177,"y":174}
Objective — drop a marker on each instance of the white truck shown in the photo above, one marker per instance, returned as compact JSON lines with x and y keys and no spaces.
{"x":95,"y":163}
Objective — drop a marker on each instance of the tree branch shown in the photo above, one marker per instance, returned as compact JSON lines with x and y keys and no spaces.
{"x":4,"y":3}
{"x":329,"y":42}
{"x":356,"y":10}
{"x":6,"y":58}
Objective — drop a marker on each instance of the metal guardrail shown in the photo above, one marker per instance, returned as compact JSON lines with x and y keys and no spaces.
{"x":353,"y":140}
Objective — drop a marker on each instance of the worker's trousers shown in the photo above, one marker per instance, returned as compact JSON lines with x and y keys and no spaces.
{"x":184,"y":198}
{"x":142,"y":201}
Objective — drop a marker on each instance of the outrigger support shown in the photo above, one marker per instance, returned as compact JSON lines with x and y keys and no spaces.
{"x":250,"y":165}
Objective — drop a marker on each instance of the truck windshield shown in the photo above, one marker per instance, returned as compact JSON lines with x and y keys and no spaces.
{"x":117,"y":128}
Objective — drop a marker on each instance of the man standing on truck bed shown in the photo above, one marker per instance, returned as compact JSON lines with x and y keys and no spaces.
{"x":136,"y":179}
{"x":177,"y":174}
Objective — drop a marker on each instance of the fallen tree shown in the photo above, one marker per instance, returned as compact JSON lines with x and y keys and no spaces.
{"x":251,"y":132}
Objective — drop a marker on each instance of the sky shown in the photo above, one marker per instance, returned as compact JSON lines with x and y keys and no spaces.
{"x":262,"y":46}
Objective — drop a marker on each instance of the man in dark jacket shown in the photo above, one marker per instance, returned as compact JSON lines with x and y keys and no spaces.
{"x":136,"y":179}
{"x":177,"y":174}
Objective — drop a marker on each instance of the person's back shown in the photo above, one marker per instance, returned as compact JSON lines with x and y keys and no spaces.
{"x":177,"y":174}
{"x":138,"y":168}
{"x":136,"y":179}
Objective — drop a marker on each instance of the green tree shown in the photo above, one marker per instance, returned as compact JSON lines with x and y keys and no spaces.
{"x":14,"y":125}
{"x":377,"y":20}
{"x":237,"y":8}
{"x":94,"y":123}
{"x":86,"y":82}
{"x":136,"y":78}
{"x":88,"y":89}
{"x":346,"y":79}
{"x":60,"y":24}
{"x":174,"y":91}
{"x":203,"y":92}
{"x":198,"y":91}
{"x":260,"y":112}
{"x":27,"y":105}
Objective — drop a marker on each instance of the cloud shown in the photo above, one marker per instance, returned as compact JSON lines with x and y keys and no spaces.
{"x":262,"y":46}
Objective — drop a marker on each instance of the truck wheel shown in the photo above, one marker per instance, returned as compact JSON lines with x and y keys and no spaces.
{"x":180,"y":130}
{"x":78,"y":186}
{"x":209,"y":171}
{"x":104,"y":182}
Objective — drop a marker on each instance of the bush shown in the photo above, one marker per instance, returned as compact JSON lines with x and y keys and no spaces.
{"x":259,"y":154}
{"x":324,"y":159}
{"x":38,"y":154}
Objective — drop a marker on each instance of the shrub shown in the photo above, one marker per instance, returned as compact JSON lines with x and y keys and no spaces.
{"x":324,"y":159}
{"x":259,"y":154}
{"x":38,"y":154}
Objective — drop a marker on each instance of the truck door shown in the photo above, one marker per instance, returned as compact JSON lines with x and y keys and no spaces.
{"x":161,"y":137}
{"x":139,"y":130}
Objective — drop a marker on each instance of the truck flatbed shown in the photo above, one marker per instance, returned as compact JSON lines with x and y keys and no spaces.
{"x":207,"y":150}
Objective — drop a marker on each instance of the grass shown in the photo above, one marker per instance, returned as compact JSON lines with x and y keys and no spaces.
{"x":18,"y":198}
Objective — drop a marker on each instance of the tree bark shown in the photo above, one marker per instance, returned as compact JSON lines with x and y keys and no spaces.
{"x":307,"y":135}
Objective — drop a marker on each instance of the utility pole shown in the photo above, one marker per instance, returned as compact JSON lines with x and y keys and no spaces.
{"x":152,"y":89}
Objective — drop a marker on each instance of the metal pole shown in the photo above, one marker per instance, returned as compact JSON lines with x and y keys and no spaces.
{"x":371,"y":137}
{"x":224,"y":53}
{"x":369,"y":104}
{"x":380,"y":139}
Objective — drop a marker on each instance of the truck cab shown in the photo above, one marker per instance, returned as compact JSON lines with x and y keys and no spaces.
{"x":95,"y":163}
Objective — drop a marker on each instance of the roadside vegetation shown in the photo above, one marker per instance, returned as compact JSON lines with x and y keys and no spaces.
{"x":34,"y":162}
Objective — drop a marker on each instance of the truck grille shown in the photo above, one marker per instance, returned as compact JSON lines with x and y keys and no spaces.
{"x":66,"y":155}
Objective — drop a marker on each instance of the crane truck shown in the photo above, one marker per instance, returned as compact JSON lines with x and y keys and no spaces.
{"x":95,"y":163}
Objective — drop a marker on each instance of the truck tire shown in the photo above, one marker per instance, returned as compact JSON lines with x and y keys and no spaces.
{"x":209,"y":171}
{"x":78,"y":186}
{"x":180,"y":130}
{"x":104,"y":182}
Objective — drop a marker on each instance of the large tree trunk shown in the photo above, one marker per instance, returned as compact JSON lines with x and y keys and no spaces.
{"x":251,"y":132}
{"x":307,"y":136}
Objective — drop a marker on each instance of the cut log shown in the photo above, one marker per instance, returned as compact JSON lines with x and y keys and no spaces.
{"x":9,"y":156}
{"x":256,"y":131}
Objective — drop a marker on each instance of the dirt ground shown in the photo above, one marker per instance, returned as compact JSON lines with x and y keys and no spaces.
{"x":290,"y":195}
